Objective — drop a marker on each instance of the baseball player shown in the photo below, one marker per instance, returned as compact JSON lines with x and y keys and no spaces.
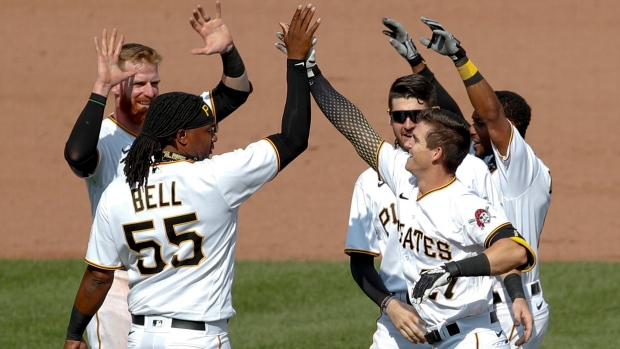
{"x":373,"y":218}
{"x":96,"y":145}
{"x":500,"y":120}
{"x":172,"y":221}
{"x":434,"y":177}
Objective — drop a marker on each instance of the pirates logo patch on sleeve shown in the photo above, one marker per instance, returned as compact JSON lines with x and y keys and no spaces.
{"x":482,"y":217}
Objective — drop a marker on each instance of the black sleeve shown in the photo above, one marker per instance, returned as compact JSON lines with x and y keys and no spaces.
{"x":293,"y":139}
{"x":81,"y":147}
{"x":347,"y":119}
{"x":444,"y":100}
{"x":368,"y":279}
{"x":226,"y":100}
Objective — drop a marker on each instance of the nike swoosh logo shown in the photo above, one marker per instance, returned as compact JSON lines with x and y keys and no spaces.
{"x":300,"y":64}
{"x":130,"y":332}
{"x":380,"y":184}
{"x":539,"y":306}
{"x":402,"y":196}
{"x":498,"y":333}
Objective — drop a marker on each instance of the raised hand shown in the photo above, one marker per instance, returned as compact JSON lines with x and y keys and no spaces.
{"x":401,"y":41}
{"x":442,"y":41}
{"x":430,"y":280}
{"x":299,"y":35}
{"x":310,"y":59}
{"x":108,"y":71}
{"x":214,"y":32}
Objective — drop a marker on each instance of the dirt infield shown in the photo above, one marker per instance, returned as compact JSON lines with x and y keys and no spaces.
{"x":560,"y":55}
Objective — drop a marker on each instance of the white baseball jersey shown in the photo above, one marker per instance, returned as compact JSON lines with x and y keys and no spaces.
{"x":449,"y":223}
{"x":177,"y":236}
{"x":114,"y":142}
{"x":373,"y":216}
{"x":524,"y":185}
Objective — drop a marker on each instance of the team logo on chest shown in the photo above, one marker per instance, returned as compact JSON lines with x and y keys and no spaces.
{"x":482,"y":217}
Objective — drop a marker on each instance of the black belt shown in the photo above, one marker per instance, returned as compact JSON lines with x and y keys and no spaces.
{"x":453,"y":329}
{"x":176,"y":323}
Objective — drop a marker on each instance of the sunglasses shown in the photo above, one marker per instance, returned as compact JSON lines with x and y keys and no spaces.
{"x":401,"y":116}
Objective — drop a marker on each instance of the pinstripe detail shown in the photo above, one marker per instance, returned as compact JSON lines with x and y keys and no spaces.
{"x":477,"y":341}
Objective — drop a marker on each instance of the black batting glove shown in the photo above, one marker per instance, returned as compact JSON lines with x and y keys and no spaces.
{"x":431,"y":279}
{"x":442,"y":41}
{"x":402,"y":42}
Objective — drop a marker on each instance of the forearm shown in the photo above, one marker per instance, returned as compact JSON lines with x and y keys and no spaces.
{"x":226,"y":100}
{"x":367,"y":278}
{"x":234,"y":74}
{"x":347,"y":119}
{"x":293,"y":139}
{"x":91,"y":294}
{"x":506,"y":255}
{"x":444,"y":99}
{"x":81,"y":147}
{"x":480,"y":93}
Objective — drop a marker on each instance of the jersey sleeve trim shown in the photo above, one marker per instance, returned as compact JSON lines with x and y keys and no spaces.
{"x":531,"y":256}
{"x":498,"y":233}
{"x":377,"y":152}
{"x":104,"y":267}
{"x":276,"y":150}
{"x":213,"y":108}
{"x":348,"y":251}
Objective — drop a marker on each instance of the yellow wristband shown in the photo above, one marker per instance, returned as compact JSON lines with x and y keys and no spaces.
{"x":467,"y":70}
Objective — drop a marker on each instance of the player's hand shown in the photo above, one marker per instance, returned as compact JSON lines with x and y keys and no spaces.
{"x":108,"y":52}
{"x":81,"y":344}
{"x":442,"y":41}
{"x":213,"y":31}
{"x":310,"y":59}
{"x":401,"y":41}
{"x":407,"y":321}
{"x":429,"y":280}
{"x":299,"y":35}
{"x":523,"y":316}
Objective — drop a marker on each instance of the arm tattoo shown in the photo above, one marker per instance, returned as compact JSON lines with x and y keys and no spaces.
{"x":348,"y":120}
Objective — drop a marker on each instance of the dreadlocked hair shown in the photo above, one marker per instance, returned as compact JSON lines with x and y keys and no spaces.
{"x":168,"y":113}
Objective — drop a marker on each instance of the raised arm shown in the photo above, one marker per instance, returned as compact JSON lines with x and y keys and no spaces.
{"x":293,"y":139}
{"x":487,"y":106}
{"x":234,"y":88}
{"x":81,"y":147}
{"x":343,"y":114}
{"x":404,"y":46}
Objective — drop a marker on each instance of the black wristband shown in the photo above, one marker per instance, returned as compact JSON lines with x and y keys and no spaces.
{"x":232,"y":63}
{"x":316,"y":71}
{"x":77,"y":324}
{"x":416,"y":60}
{"x":460,"y":54}
{"x":473,"y":266}
{"x":514,"y":286}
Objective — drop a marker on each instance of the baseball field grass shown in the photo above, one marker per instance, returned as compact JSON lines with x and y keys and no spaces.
{"x":310,"y":304}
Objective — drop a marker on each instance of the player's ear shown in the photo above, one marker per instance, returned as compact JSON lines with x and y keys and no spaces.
{"x":182,"y":137}
{"x":437,"y":154}
{"x":116,"y":90}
